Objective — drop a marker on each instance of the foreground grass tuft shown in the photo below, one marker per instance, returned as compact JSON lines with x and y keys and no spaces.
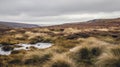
{"x":110,"y":59}
{"x":60,"y":61}
{"x":86,"y":56}
{"x":38,"y":58}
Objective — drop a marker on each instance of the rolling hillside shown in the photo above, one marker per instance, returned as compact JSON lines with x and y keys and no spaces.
{"x":101,"y":23}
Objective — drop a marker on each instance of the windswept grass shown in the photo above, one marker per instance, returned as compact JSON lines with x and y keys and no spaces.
{"x":86,"y":56}
{"x":60,"y":61}
{"x":66,"y":43}
{"x":58,"y":49}
{"x":110,"y":58}
{"x":37,"y":57}
{"x":73,"y":47}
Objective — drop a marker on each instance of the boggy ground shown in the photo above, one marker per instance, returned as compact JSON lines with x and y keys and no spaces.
{"x":83,"y":52}
{"x":73,"y":47}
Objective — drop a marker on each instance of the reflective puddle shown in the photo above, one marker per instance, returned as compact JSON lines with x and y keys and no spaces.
{"x":25,"y":47}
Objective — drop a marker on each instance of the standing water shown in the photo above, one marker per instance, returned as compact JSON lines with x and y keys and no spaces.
{"x":25,"y":47}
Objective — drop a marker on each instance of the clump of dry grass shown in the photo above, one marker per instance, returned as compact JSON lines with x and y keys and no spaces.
{"x":3,"y":64}
{"x":37,"y":39}
{"x":71,"y":30}
{"x":37,"y":57}
{"x":18,"y":36}
{"x":108,"y":61}
{"x":16,"y":59}
{"x":111,"y":58}
{"x":115,"y":50}
{"x":66,"y":43}
{"x":18,"y":52}
{"x":94,"y":41}
{"x":110,"y":39}
{"x":44,"y":30}
{"x":86,"y":55}
{"x":6,"y":40}
{"x":60,"y":61}
{"x":4,"y":60}
{"x":58,"y":49}
{"x":82,"y":56}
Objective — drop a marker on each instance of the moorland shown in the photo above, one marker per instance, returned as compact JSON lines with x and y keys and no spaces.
{"x":94,"y":43}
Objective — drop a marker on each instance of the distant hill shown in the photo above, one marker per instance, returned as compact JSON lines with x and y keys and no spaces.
{"x":90,"y":24}
{"x":16,"y":25}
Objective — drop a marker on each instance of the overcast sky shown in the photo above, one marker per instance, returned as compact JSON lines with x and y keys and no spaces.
{"x":57,"y":11}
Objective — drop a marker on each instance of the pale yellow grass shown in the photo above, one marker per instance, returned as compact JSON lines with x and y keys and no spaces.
{"x":59,"y":60}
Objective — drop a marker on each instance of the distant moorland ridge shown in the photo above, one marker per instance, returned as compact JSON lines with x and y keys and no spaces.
{"x":90,"y":24}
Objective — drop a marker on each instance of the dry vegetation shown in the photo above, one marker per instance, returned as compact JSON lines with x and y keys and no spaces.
{"x":83,"y":45}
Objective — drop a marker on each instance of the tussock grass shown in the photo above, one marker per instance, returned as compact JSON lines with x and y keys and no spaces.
{"x":108,"y":61}
{"x":86,"y":55}
{"x":58,"y":49}
{"x":60,"y":61}
{"x":83,"y":51}
{"x":115,"y":51}
{"x":66,"y":43}
{"x":37,"y":57}
{"x":111,"y":58}
{"x":19,"y":52}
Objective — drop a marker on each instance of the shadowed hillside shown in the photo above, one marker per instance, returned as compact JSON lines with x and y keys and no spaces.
{"x":17,"y":25}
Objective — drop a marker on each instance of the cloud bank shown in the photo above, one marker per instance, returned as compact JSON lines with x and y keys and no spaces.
{"x":57,"y":11}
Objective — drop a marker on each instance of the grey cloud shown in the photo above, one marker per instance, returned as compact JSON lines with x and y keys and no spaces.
{"x":57,"y":7}
{"x":44,"y":8}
